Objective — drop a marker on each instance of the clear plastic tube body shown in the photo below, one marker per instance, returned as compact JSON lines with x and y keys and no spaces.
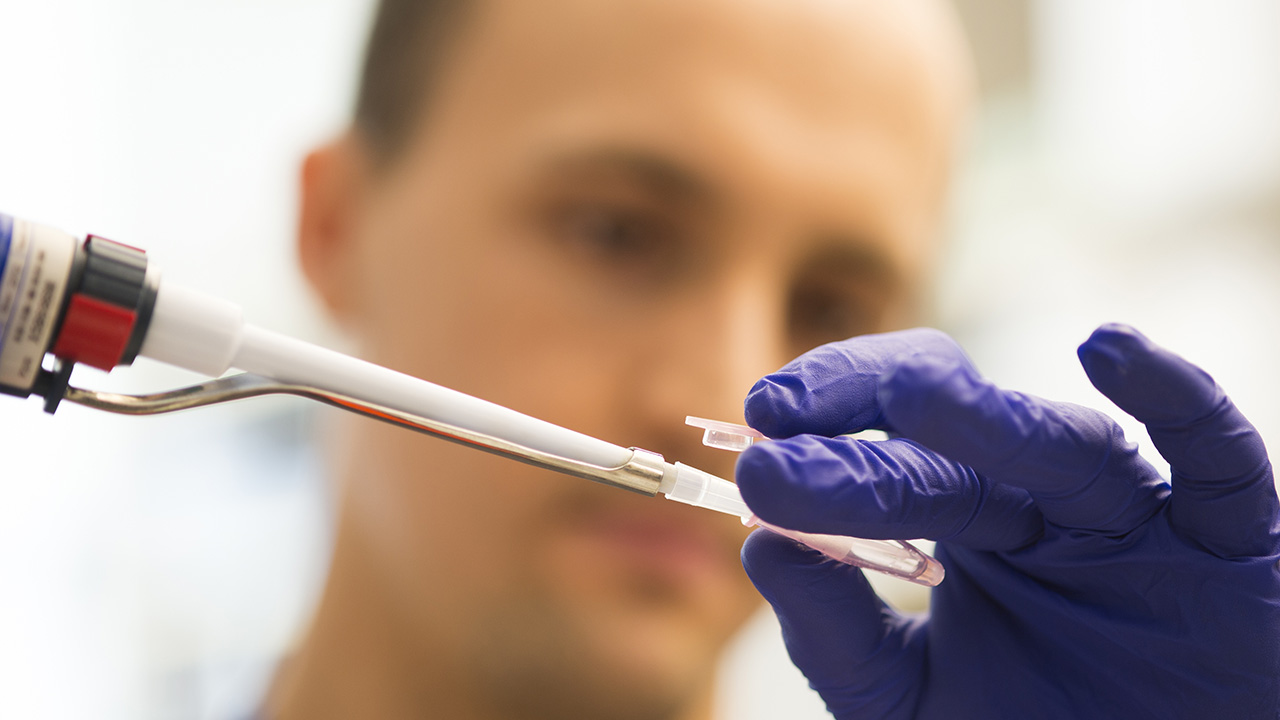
{"x":899,"y":558}
{"x":893,"y":557}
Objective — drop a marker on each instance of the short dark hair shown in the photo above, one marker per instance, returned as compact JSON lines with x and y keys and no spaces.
{"x":403,"y":59}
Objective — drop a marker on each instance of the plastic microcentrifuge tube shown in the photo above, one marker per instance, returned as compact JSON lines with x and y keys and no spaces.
{"x":692,"y":486}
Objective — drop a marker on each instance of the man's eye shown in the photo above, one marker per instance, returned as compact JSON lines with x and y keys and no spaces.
{"x":616,"y":235}
{"x":818,"y":315}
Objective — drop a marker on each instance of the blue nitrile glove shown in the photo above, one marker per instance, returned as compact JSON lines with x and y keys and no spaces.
{"x":1079,"y":584}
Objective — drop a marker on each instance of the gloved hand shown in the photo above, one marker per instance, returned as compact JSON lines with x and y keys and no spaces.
{"x":1079,"y":583}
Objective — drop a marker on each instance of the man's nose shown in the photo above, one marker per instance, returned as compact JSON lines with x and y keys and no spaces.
{"x":714,"y":349}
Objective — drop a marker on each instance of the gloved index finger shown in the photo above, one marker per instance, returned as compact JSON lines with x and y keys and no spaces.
{"x":1074,"y":461}
{"x":831,"y":390}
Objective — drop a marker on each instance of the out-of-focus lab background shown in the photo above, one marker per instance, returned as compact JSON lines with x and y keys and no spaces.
{"x":1125,"y":166}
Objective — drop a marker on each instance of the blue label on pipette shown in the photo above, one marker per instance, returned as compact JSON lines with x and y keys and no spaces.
{"x":6,"y":233}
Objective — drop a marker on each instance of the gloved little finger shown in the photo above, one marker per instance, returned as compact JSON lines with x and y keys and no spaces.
{"x":887,"y":489}
{"x":1224,"y":494}
{"x":863,"y":658}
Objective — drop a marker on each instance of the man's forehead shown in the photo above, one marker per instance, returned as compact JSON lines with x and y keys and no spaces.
{"x":822,"y":57}
{"x":794,"y":28}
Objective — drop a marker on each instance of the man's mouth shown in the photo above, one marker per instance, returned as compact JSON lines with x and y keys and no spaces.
{"x":682,"y":545}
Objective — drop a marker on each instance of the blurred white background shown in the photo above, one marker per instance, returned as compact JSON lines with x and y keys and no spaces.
{"x":1125,"y":166}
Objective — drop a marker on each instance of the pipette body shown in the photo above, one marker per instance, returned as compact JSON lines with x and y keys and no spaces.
{"x":103,"y":304}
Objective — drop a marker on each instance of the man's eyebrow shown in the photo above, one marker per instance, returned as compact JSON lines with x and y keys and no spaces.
{"x":658,"y":173}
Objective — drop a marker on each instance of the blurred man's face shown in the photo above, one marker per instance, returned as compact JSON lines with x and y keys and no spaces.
{"x":615,"y":214}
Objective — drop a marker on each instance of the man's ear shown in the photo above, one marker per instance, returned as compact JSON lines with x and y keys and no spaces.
{"x":332,"y":193}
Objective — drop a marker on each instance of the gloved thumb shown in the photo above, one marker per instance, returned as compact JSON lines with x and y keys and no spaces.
{"x":862,"y":657}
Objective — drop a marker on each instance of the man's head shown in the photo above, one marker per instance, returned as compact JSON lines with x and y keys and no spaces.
{"x":608,"y":215}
